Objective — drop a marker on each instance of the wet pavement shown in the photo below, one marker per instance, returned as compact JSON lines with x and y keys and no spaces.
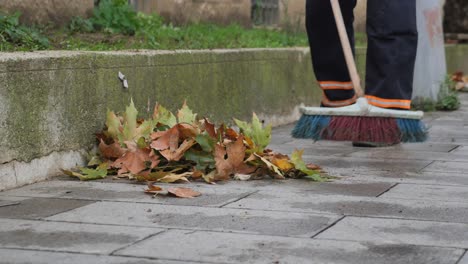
{"x":401,"y":204}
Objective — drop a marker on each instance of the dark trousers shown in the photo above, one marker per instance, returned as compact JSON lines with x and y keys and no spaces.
{"x":392,"y":42}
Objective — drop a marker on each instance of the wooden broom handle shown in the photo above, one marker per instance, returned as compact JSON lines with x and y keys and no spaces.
{"x":348,"y":53}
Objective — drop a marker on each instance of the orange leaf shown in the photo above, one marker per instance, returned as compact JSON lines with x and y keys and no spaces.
{"x":283,"y":164}
{"x":183,"y":192}
{"x":152,"y":189}
{"x":231,"y":134}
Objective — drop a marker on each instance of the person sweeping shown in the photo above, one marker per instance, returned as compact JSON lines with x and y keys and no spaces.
{"x":381,"y":117}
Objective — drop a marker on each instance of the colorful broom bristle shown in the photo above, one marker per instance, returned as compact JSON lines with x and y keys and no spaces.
{"x":360,"y":129}
{"x":311,"y":127}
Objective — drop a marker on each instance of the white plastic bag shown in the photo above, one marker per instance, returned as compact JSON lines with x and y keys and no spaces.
{"x":430,"y":68}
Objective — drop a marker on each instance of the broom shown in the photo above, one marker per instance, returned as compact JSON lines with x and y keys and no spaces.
{"x":360,"y":122}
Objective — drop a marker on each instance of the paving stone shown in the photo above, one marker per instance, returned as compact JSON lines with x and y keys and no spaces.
{"x":464,"y":260}
{"x":422,"y":177}
{"x":409,"y":155}
{"x":448,"y":132}
{"x":241,"y":248}
{"x":367,"y":164}
{"x":18,"y":256}
{"x":453,"y":140}
{"x":446,"y":166}
{"x":356,"y":206}
{"x":191,"y":217}
{"x":433,"y":178}
{"x":399,"y":231}
{"x":39,"y":208}
{"x":211,"y":196}
{"x":69,"y":237}
{"x":462,"y":150}
{"x":307,"y":186}
{"x":428,"y":192}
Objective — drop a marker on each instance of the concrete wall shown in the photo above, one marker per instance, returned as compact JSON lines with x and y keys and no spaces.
{"x":44,"y":12}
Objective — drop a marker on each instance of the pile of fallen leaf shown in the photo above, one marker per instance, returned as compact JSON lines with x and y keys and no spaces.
{"x":170,"y":148}
{"x":461,"y":81}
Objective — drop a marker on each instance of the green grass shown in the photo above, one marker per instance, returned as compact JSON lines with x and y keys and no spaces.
{"x":196,"y":36}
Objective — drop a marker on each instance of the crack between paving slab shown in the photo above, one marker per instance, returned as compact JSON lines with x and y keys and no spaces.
{"x":430,"y":163}
{"x":391,"y":187}
{"x":453,"y":149}
{"x":137,"y":241}
{"x":461,"y":257}
{"x":71,"y":209}
{"x":328,"y":227}
{"x":190,"y":230}
{"x":238,"y":199}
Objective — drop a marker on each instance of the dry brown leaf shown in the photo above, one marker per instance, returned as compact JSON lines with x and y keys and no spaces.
{"x":134,"y":160}
{"x":157,"y":134}
{"x":166,"y":140}
{"x":183,"y":192}
{"x":313,"y":167}
{"x":196,"y":174}
{"x":210,"y":128}
{"x":153,"y":189}
{"x":231,"y":160}
{"x":175,"y":154}
{"x":112,"y":151}
{"x":187,"y":131}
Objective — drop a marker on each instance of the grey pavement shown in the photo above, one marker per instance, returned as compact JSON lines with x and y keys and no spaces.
{"x":401,"y":204}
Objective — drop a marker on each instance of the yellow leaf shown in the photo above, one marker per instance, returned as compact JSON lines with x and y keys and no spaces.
{"x":172,"y":177}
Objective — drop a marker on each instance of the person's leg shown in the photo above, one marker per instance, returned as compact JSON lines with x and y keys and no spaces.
{"x":391,"y":53}
{"x":327,"y":55}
